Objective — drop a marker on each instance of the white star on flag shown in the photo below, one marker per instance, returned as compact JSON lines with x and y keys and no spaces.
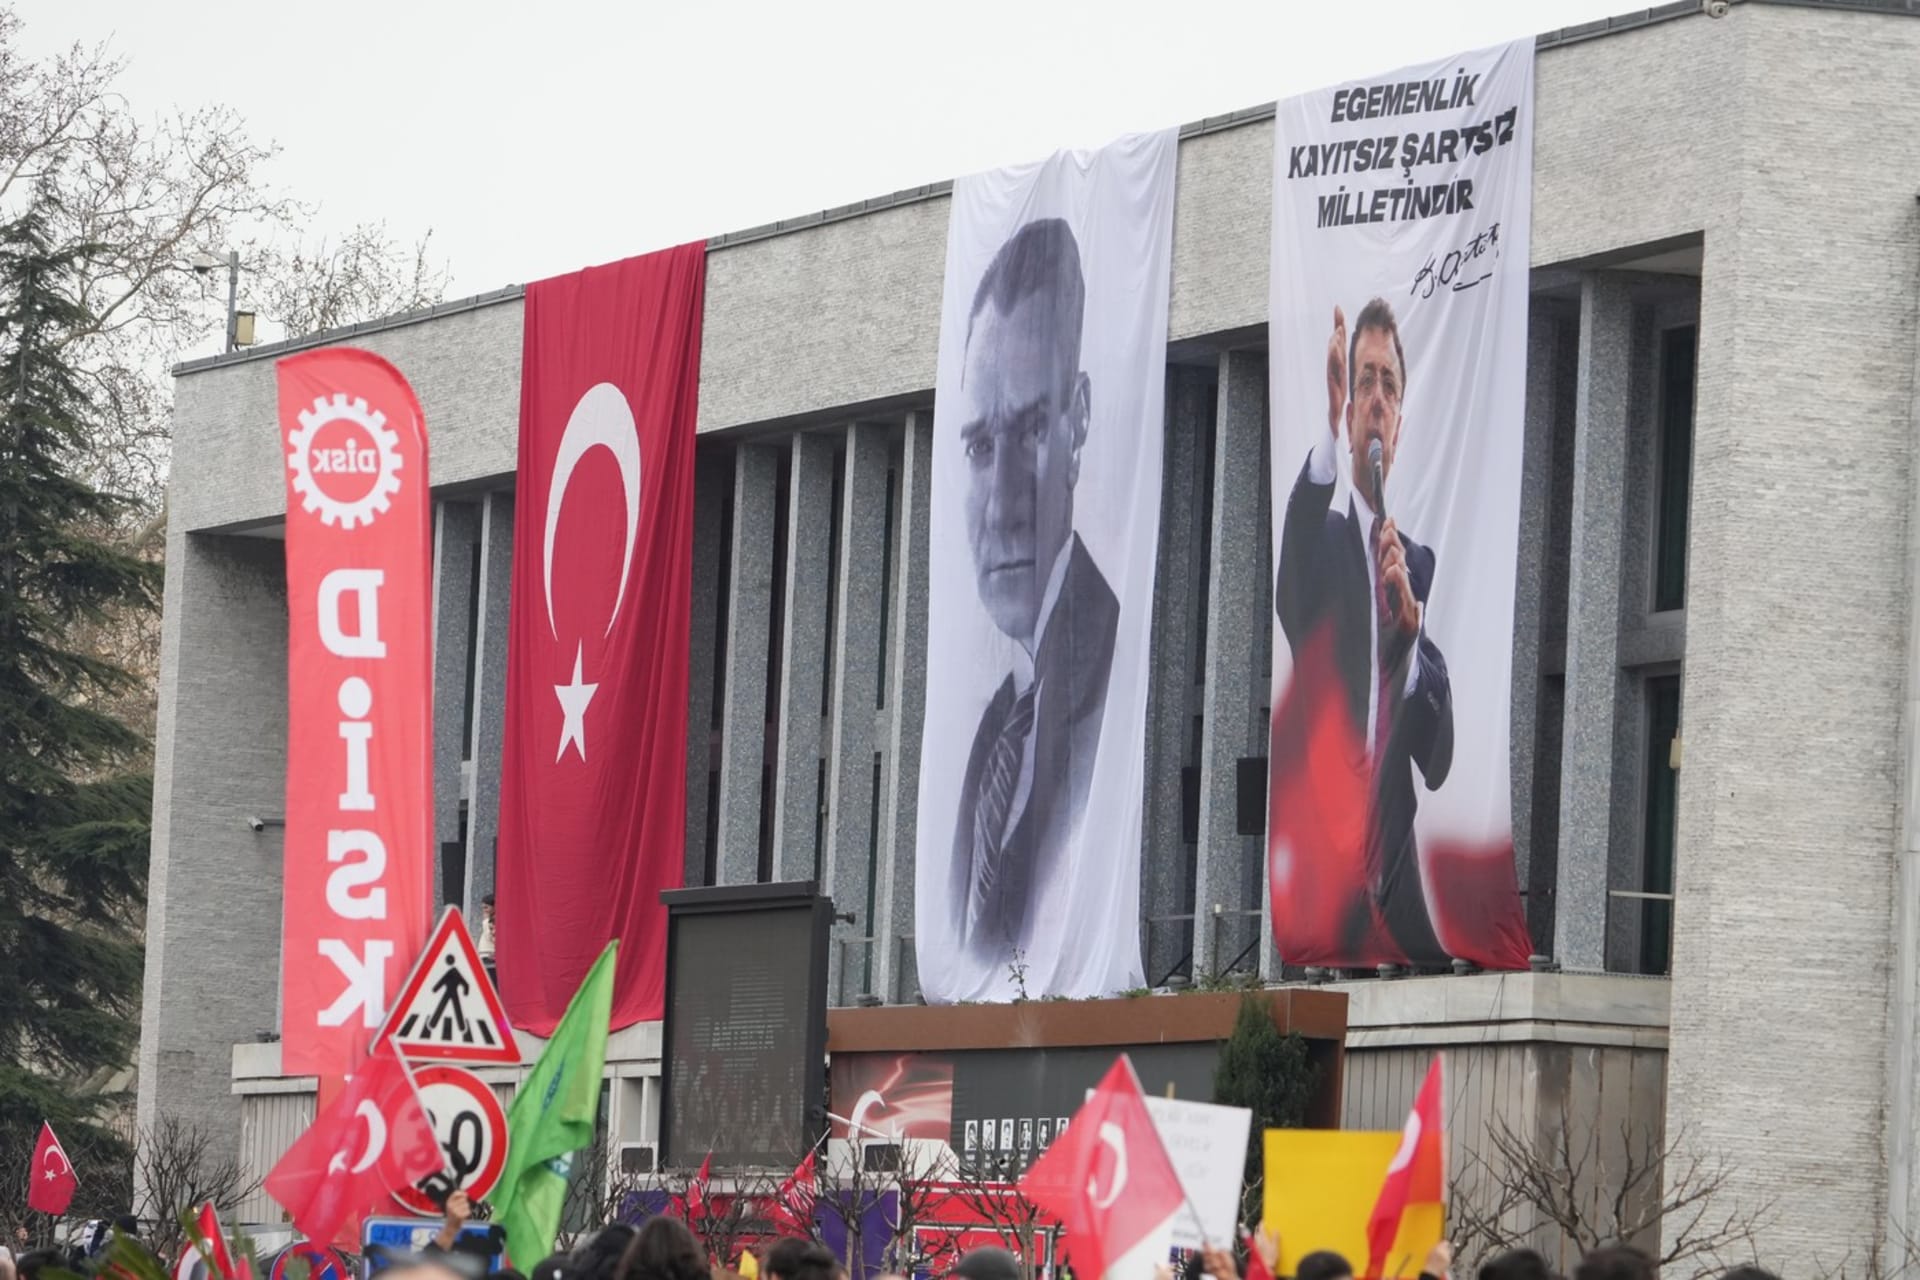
{"x":573,"y":709}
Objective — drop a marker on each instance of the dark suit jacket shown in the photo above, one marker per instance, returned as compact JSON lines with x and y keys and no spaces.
{"x":993,"y":903}
{"x":1323,"y":582}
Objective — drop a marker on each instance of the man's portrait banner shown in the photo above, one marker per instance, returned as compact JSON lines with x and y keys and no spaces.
{"x":1398,"y":344}
{"x":1047,"y":439}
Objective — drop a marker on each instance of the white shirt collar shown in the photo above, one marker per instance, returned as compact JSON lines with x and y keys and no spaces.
{"x":1022,"y":658}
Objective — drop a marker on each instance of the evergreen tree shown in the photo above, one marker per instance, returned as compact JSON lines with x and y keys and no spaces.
{"x":74,"y":792}
{"x":1271,"y":1075}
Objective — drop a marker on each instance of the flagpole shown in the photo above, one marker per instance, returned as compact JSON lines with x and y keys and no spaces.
{"x":1199,"y":1223}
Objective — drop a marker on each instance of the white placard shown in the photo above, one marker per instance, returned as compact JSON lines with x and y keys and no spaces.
{"x":1208,"y":1146}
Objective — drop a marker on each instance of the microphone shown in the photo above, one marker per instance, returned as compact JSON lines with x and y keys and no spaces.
{"x":1376,"y":467}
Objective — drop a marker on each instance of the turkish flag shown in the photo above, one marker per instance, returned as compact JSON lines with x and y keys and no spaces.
{"x":793,"y":1203}
{"x":593,"y":771}
{"x":694,"y":1203}
{"x":371,"y":1140}
{"x":1109,"y":1181}
{"x":211,"y":1245}
{"x":54,"y":1181}
{"x":1417,"y":1175}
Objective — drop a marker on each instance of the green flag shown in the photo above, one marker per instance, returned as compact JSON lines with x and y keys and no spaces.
{"x":552,"y":1117}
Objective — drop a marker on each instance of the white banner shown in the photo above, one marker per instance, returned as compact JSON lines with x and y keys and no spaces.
{"x":1047,"y":447}
{"x":1208,"y":1147}
{"x":1398,"y":346}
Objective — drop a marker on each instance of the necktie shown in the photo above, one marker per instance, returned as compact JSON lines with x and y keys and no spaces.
{"x":998,"y":785}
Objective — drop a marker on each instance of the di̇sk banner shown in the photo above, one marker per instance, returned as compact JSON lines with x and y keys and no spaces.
{"x":1398,"y":371}
{"x":593,"y":772}
{"x":1047,"y":443}
{"x":360,"y":701}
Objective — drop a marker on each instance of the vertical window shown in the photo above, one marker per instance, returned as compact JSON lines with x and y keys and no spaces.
{"x":1677,"y":352}
{"x":1663,"y":786}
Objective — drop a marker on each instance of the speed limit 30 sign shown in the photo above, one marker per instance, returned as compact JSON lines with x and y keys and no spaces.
{"x":471,"y":1126}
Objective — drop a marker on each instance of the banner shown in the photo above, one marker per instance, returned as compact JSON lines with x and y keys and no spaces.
{"x":359,"y":835}
{"x":1398,"y":370}
{"x":593,"y":771}
{"x":1045,"y":525}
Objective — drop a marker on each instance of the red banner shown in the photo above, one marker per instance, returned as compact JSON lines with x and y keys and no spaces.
{"x":593,"y":773}
{"x":359,"y":874}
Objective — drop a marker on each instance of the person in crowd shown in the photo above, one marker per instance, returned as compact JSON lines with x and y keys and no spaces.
{"x":30,"y":1264}
{"x":988,"y":1263}
{"x":1616,"y":1262}
{"x":795,"y":1259}
{"x":555,"y":1266}
{"x":1323,"y":1264}
{"x":664,"y":1249}
{"x":599,"y":1257}
{"x":6,"y":1263}
{"x":1515,"y":1264}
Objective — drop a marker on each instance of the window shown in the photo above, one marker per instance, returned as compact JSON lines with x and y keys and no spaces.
{"x":1663,"y":786}
{"x":1677,"y":353}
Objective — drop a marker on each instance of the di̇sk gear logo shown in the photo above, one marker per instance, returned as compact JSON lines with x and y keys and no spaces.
{"x":371,"y":450}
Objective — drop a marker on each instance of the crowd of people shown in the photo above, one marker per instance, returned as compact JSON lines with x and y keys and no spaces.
{"x":665,"y":1248}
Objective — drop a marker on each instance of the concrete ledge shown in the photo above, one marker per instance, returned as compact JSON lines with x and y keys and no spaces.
{"x":1473,"y":1004}
{"x":256,"y":1067}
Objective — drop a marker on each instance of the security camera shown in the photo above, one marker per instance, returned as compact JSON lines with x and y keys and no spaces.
{"x":256,"y":824}
{"x":1715,"y":8}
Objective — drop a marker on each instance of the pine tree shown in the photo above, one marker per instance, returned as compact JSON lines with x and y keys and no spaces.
{"x":74,"y":791}
{"x":1270,"y":1074}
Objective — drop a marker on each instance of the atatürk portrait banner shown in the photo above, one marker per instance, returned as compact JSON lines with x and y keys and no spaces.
{"x":1045,"y":524}
{"x":1398,"y":347}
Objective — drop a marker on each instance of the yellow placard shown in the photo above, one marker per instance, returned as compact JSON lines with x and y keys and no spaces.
{"x":1320,"y":1188}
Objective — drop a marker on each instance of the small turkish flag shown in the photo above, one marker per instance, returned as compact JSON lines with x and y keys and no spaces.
{"x":54,"y":1181}
{"x":1109,"y":1181}
{"x":694,"y":1204}
{"x":1416,"y":1176}
{"x":793,"y":1202}
{"x":211,"y":1245}
{"x":371,"y":1140}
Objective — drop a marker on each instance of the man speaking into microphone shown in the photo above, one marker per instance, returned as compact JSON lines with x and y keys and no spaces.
{"x":1345,"y":566}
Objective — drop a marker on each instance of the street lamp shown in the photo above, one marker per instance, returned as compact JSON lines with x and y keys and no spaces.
{"x":239,"y":323}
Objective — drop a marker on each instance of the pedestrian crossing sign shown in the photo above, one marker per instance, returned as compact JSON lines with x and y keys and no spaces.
{"x":448,"y":1009}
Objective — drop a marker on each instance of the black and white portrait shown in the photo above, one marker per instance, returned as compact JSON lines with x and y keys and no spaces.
{"x":1048,"y":437}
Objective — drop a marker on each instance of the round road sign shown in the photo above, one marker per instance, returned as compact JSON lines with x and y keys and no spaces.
{"x":322,"y":1263}
{"x":471,"y":1126}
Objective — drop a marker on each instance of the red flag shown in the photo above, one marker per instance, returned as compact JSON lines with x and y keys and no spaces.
{"x":359,"y":700}
{"x":54,"y":1180}
{"x":211,"y":1245}
{"x":1109,"y":1179}
{"x":1256,"y":1268}
{"x":694,"y":1203}
{"x":593,"y":779}
{"x":373,"y":1139}
{"x":793,"y":1202}
{"x":1417,"y":1174}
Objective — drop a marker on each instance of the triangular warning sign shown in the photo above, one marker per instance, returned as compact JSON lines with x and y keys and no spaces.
{"x":447,"y":1008}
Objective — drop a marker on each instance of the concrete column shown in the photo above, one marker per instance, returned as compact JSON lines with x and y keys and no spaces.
{"x":1530,"y":576}
{"x":803,"y":661}
{"x":489,"y":695}
{"x":456,"y":533}
{"x":743,"y":713}
{"x":906,"y":713}
{"x":1239,"y":609}
{"x":1593,"y":620}
{"x":1166,"y":865}
{"x":223,"y":647}
{"x":846,"y":863}
{"x":711,"y":479}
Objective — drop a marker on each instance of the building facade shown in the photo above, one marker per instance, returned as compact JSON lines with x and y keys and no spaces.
{"x":1715,"y":642}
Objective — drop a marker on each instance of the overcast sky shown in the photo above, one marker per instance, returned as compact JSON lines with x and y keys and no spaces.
{"x":543,"y":135}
